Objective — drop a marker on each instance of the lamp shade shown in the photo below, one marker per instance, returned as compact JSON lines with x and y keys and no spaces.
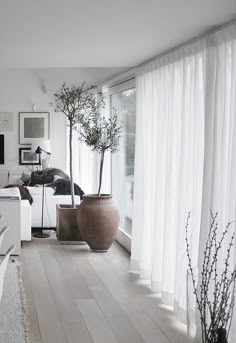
{"x":44,"y":145}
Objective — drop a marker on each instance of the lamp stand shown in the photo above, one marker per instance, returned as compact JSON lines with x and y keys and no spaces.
{"x":43,"y":234}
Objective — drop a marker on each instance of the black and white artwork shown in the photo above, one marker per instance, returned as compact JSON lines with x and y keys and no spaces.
{"x":27,"y":156}
{"x":1,"y":149}
{"x":33,"y":126}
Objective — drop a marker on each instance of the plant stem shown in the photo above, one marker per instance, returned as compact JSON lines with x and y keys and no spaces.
{"x":71,"y":169}
{"x":101,"y":170}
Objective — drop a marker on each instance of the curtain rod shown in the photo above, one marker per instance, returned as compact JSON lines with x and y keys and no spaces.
{"x":189,"y":42}
{"x":120,"y":83}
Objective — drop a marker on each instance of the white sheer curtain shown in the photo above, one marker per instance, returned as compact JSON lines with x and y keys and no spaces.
{"x":106,"y":180}
{"x":118,"y":168}
{"x":185,"y":157}
{"x":168,"y":167}
{"x":219,"y":184}
{"x":84,"y":165}
{"x":219,"y":187}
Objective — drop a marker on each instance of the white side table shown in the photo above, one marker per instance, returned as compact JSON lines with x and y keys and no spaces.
{"x":10,"y":209}
{"x":25,"y":220}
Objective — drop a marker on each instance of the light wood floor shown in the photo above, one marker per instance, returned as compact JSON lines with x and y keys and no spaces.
{"x":75,"y":295}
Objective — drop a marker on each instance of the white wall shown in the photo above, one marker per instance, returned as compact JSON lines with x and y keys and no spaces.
{"x":21,"y":88}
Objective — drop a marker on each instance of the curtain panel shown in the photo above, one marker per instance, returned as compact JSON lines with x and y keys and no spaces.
{"x":84,"y":164}
{"x":184,"y":158}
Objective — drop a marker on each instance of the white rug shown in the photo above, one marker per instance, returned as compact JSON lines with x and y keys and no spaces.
{"x":13,"y":327}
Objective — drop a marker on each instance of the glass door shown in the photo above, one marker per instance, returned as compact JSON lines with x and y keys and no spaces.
{"x":124,"y":102}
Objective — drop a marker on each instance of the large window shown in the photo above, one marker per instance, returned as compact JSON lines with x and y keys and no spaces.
{"x":124,"y":102}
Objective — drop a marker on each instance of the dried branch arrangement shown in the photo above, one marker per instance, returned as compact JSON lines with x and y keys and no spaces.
{"x":214,"y":303}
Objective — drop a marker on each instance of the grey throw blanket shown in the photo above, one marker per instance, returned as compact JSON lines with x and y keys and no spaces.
{"x":62,"y":187}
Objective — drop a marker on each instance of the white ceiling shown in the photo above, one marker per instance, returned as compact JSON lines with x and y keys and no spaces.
{"x":101,"y":33}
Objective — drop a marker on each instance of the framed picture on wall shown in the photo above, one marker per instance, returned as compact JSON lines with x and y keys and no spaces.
{"x":26,"y":156}
{"x":33,"y":126}
{"x":1,"y":149}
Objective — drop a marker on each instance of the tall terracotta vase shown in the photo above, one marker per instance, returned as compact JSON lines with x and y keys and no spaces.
{"x":98,"y":219}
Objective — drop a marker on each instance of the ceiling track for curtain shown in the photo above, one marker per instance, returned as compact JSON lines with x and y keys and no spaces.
{"x":209,"y":33}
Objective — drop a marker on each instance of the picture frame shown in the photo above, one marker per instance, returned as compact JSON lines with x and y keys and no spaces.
{"x":27,"y":157}
{"x":33,"y":126}
{"x":2,"y":149}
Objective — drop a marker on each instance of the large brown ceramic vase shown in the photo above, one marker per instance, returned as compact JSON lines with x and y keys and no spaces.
{"x":98,"y":220}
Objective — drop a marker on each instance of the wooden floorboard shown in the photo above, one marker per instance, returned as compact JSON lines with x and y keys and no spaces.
{"x":99,"y":328}
{"x":75,"y":295}
{"x":49,"y":320}
{"x":33,"y":332}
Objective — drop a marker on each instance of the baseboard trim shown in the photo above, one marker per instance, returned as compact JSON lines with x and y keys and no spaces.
{"x":72,"y":242}
{"x":124,"y":240}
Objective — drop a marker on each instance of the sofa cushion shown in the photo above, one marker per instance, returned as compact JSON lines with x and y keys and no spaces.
{"x":56,"y":172}
{"x":37,"y":191}
{"x":25,"y":178}
{"x":62,"y":187}
{"x":24,"y":192}
{"x":37,"y":178}
{"x":46,"y":176}
{"x":12,"y":192}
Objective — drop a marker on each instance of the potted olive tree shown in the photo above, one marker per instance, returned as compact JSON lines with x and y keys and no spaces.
{"x":97,"y":217}
{"x":76,"y":103}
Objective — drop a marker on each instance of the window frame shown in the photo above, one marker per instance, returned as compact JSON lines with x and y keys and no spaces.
{"x":122,"y":237}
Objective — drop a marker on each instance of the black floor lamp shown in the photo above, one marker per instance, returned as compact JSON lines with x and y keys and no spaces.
{"x":42,"y":147}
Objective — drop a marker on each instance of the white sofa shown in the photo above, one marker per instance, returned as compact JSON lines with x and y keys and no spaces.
{"x":50,"y":202}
